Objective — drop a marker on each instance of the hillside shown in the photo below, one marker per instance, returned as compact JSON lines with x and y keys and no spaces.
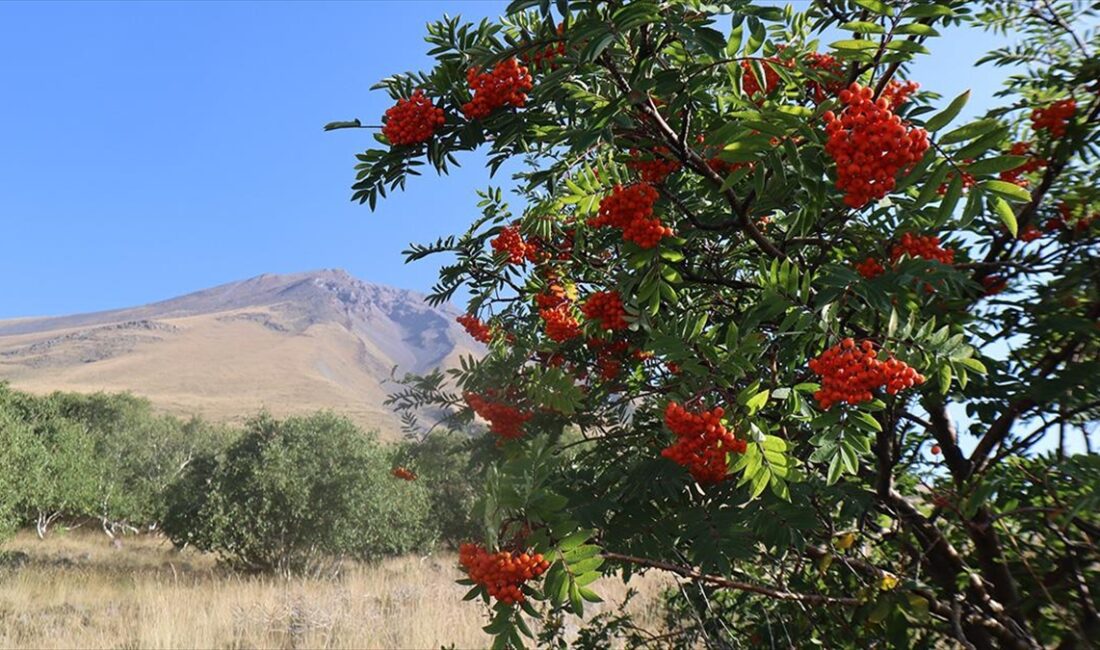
{"x":288,"y":343}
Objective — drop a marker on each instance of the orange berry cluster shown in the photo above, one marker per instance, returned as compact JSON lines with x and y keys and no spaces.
{"x":561,"y":324}
{"x":849,"y":374}
{"x":502,"y":573}
{"x":403,"y":473}
{"x":607,"y":308}
{"x":412,"y":121}
{"x":510,"y":242}
{"x":506,"y":85}
{"x":702,"y":442}
{"x":609,"y":357}
{"x":1032,"y":164}
{"x":475,"y":328}
{"x":751,"y":84}
{"x":1055,"y":117}
{"x":924,"y":246}
{"x":830,"y":67}
{"x":655,"y":168}
{"x":870,"y":268}
{"x":898,"y":92}
{"x":504,"y":420}
{"x":631,"y":209}
{"x":870,"y":145}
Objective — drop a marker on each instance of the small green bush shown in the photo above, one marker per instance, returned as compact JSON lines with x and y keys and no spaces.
{"x":290,"y":496}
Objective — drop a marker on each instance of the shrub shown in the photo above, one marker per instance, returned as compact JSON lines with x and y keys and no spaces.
{"x":292,"y":495}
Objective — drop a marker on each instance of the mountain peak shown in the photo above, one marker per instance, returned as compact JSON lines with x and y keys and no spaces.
{"x":291,"y":342}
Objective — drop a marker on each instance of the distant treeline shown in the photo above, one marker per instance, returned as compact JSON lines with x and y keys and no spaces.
{"x":276,"y":495}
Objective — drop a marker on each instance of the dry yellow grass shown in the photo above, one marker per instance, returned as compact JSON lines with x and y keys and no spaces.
{"x":77,"y":591}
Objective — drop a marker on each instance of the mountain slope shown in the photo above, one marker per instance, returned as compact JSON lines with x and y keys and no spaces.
{"x":288,"y":343}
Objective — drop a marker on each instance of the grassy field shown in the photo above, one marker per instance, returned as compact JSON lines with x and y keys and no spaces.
{"x":76,"y":590}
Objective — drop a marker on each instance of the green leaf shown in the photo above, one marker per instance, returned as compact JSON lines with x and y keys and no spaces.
{"x":969,"y":131}
{"x":352,"y":124}
{"x":974,"y":364}
{"x":1010,"y":191}
{"x":863,"y":27}
{"x":757,"y":34}
{"x":854,"y":45}
{"x":918,"y":29}
{"x":995,"y":164}
{"x":757,"y":401}
{"x":945,"y":378}
{"x":944,"y":117}
{"x":1007,"y":215}
{"x":877,"y":6}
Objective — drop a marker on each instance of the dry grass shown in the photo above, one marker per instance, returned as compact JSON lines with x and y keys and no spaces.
{"x":77,"y":591}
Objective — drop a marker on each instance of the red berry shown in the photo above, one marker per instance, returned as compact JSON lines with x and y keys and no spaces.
{"x":475,"y":328}
{"x":506,"y":85}
{"x":702,"y":442}
{"x":1054,"y":118}
{"x":936,"y":450}
{"x":412,"y":121}
{"x":631,"y":209}
{"x":849,"y":374}
{"x":503,"y":573}
{"x":655,"y":167}
{"x":504,"y":420}
{"x":870,"y":145}
{"x":607,"y":308}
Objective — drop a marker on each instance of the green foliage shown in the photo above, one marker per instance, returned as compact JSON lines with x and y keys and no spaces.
{"x":758,"y":279}
{"x":447,"y":465}
{"x":293,"y":495}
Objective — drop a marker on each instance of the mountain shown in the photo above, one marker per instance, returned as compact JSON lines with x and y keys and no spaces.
{"x":287,"y":343}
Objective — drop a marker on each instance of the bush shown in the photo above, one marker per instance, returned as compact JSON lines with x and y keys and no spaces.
{"x":138,"y":452}
{"x":290,"y":496}
{"x":446,"y":464}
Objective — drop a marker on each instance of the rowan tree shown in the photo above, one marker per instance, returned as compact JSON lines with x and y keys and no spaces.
{"x":822,"y":272}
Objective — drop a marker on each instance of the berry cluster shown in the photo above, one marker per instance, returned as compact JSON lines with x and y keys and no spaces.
{"x":502,"y":573}
{"x":511,"y":243}
{"x":476,"y":328}
{"x":554,"y":296}
{"x":609,"y":357}
{"x":924,"y":246}
{"x":751,"y":84}
{"x":504,"y":420}
{"x":898,"y":92}
{"x":849,"y":374}
{"x":870,"y":268}
{"x":607,"y":308}
{"x":654,"y":168}
{"x":631,"y":209}
{"x":506,"y":85}
{"x":1032,"y":164}
{"x":870,"y":145}
{"x":832,"y":74}
{"x":1055,"y":117}
{"x":702,"y":442}
{"x":561,"y":324}
{"x":412,"y":121}
{"x":403,"y":473}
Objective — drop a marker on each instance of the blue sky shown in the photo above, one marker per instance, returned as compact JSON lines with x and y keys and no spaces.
{"x":151,"y":149}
